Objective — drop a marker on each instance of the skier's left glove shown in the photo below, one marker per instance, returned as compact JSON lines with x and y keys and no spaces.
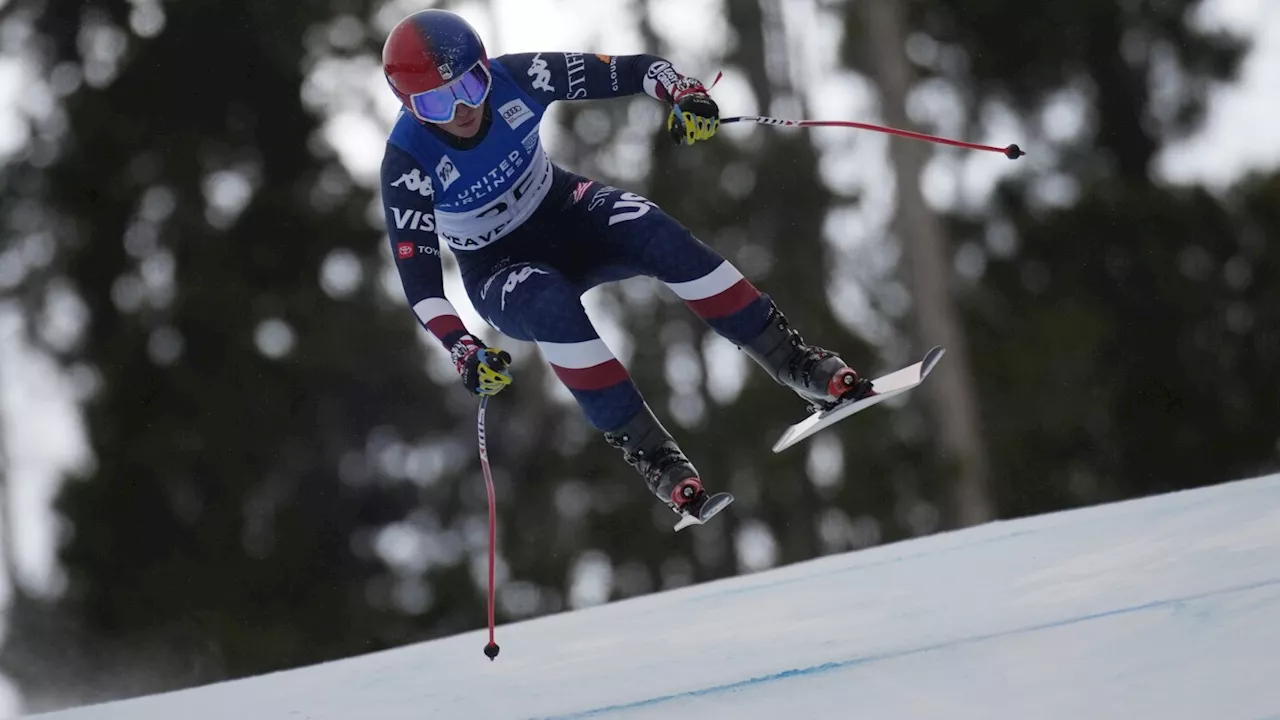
{"x":694,"y":115}
{"x":483,"y":369}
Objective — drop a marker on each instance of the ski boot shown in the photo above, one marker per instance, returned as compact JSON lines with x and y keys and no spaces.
{"x":650,"y":449}
{"x":818,"y":376}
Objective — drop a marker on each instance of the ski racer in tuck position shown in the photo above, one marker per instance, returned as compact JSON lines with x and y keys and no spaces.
{"x":464,"y":163}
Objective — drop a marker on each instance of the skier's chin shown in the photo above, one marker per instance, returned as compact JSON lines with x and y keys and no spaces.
{"x":465,"y":124}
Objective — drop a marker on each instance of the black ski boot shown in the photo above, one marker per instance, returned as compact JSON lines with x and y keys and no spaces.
{"x":819,"y":376}
{"x":649,"y":448}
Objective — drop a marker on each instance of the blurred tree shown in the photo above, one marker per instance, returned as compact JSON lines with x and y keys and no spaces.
{"x":1140,"y":68}
{"x":1156,"y":341}
{"x":261,"y":421}
{"x":926,"y":270}
{"x":1116,"y":326}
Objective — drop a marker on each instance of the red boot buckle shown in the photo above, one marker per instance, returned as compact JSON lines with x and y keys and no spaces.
{"x":843,"y":381}
{"x":687,"y":490}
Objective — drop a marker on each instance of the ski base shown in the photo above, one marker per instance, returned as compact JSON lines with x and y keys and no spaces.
{"x":894,"y":383}
{"x":713,"y":505}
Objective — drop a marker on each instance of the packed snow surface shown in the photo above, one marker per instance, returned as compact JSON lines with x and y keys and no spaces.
{"x":1164,"y":607}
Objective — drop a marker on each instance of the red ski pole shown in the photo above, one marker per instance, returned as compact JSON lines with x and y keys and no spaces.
{"x":490,"y":650}
{"x":1013,"y":152}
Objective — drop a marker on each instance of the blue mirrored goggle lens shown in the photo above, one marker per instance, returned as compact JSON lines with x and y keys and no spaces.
{"x":438,"y":105}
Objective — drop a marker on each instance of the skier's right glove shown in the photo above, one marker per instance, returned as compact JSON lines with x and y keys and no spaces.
{"x":483,"y":369}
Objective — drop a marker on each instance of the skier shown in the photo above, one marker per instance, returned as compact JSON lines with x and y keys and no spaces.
{"x":464,"y":163}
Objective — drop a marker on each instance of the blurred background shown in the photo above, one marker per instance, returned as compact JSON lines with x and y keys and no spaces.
{"x":227,"y":447}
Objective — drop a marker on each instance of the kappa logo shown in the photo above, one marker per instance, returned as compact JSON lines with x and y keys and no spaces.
{"x":516,"y":113}
{"x":447,"y":172}
{"x":516,"y":277}
{"x":498,"y":268}
{"x":415,"y":182}
{"x":540,"y":74}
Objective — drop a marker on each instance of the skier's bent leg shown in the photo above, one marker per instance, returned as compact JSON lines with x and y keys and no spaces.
{"x":648,"y":447}
{"x":814,"y":373}
{"x":535,"y":302}
{"x":656,"y":244}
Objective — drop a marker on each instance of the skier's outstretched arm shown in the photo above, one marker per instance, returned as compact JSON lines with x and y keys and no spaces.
{"x":408,"y":200}
{"x":552,"y":76}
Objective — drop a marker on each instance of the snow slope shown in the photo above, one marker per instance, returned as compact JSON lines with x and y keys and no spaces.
{"x":1167,"y":607}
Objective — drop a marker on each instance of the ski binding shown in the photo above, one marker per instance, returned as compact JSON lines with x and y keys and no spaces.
{"x":712,"y":505}
{"x":894,"y":383}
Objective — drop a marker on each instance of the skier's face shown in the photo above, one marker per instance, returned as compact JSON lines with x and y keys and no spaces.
{"x":465,"y":122}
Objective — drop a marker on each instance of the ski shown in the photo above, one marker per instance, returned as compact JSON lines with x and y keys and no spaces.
{"x":707,"y":510}
{"x":895,"y":383}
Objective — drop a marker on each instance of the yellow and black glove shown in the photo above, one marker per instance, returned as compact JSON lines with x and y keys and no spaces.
{"x":694,"y":115}
{"x":483,"y":369}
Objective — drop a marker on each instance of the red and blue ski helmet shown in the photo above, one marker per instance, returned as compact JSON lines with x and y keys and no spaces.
{"x":434,"y":60}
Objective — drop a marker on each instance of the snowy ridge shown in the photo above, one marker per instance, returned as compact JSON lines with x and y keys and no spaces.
{"x":1163,"y":607}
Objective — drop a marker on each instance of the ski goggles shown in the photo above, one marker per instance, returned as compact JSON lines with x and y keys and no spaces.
{"x":438,"y":105}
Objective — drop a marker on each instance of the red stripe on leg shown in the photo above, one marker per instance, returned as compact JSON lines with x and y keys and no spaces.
{"x":738,"y":296}
{"x":596,"y":377}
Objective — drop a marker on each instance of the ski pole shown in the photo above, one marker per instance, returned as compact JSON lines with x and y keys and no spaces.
{"x":1013,"y":152}
{"x":490,"y":650}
